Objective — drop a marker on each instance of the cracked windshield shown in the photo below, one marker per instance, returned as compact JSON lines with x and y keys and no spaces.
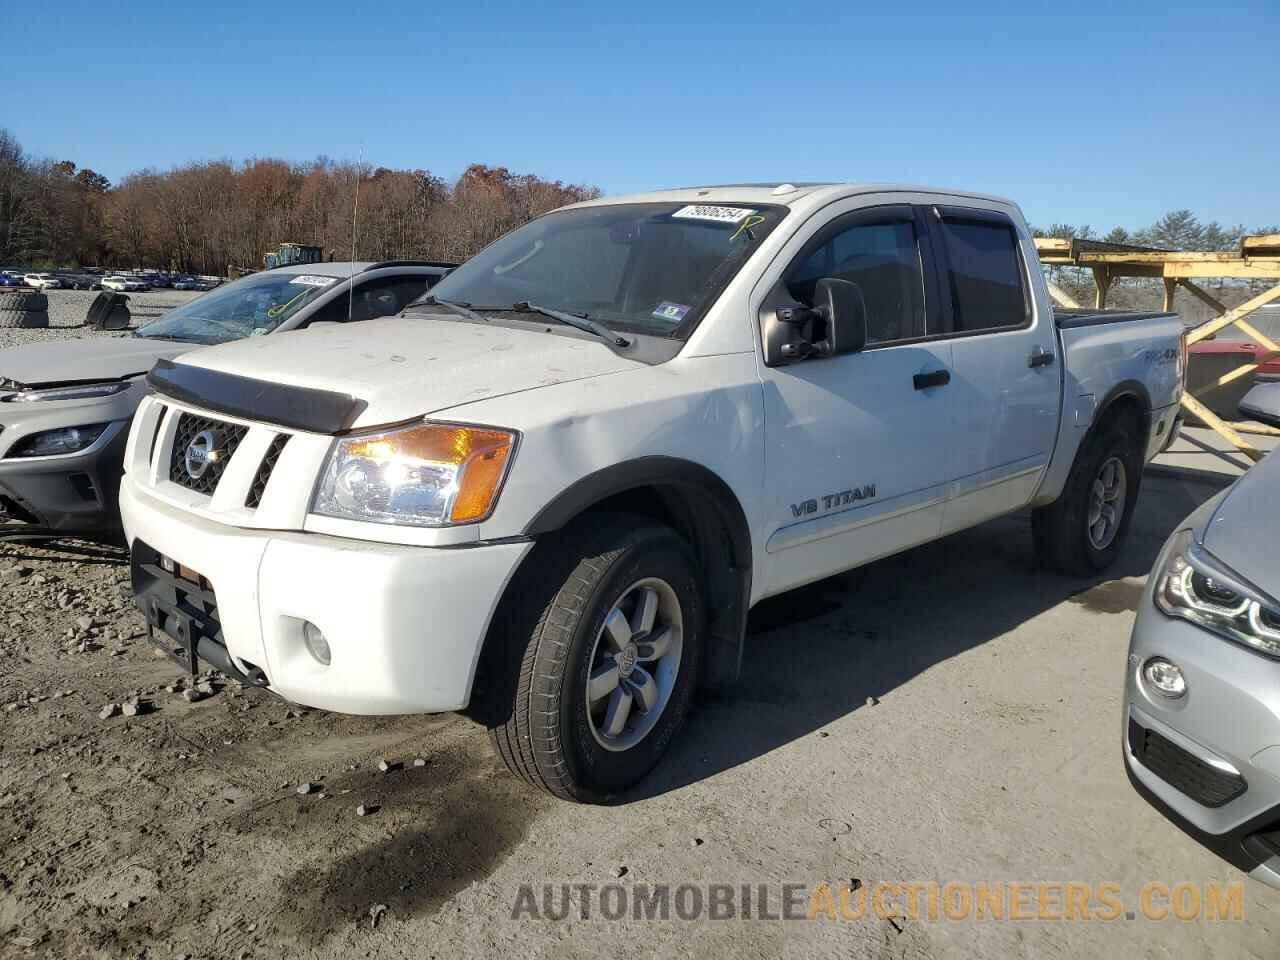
{"x":246,"y":308}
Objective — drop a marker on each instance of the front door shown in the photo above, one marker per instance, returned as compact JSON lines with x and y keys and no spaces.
{"x":858,"y":446}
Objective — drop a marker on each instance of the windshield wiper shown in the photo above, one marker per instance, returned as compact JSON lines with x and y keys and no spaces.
{"x":583,"y":323}
{"x":463,"y":309}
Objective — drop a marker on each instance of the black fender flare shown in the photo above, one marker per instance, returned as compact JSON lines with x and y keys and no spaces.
{"x":656,"y":471}
{"x":712,"y":507}
{"x":1122,"y":390}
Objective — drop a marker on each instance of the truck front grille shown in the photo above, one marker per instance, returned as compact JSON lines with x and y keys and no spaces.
{"x":1184,"y":771}
{"x":225,"y":439}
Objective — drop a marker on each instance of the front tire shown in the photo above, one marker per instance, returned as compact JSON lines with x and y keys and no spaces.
{"x":607,"y":623}
{"x":1083,"y":531}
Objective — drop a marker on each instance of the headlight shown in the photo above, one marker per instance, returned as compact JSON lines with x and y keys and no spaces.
{"x":1195,"y":586}
{"x":51,"y":443}
{"x":82,"y":391}
{"x":429,"y":475}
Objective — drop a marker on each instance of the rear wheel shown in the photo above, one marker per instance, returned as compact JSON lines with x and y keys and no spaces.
{"x":1083,"y":531}
{"x":607,"y":626}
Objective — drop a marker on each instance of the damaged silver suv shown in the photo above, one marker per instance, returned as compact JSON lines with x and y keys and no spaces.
{"x":65,"y":406}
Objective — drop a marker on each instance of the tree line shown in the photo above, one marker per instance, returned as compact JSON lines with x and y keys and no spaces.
{"x":219,"y":216}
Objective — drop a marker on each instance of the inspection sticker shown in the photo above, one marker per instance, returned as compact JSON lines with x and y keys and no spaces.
{"x":311,"y":281}
{"x":700,"y":211}
{"x":667,"y":310}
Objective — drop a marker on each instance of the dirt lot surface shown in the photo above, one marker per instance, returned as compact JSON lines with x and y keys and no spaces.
{"x":989,"y":751}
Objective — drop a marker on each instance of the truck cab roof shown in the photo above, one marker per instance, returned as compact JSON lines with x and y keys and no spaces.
{"x":786,"y":193}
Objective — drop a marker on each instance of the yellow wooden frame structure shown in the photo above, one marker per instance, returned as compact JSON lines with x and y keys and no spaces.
{"x":1257,"y":259}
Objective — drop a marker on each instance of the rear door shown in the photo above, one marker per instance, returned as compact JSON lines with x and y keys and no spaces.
{"x":1006,"y":384}
{"x":857,"y":446}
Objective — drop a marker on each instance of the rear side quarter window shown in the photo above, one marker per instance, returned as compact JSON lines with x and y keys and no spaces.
{"x":983,"y":271}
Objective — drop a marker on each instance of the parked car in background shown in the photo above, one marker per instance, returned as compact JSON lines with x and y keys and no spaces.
{"x":551,"y":491}
{"x":123,"y":284}
{"x":65,"y":406}
{"x":42,"y":281}
{"x":186,"y":283}
{"x":11,"y":280}
{"x":1201,"y":736}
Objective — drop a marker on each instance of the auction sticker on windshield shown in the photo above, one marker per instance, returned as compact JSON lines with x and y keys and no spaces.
{"x":311,"y":281}
{"x":699,"y":211}
{"x":671,"y":311}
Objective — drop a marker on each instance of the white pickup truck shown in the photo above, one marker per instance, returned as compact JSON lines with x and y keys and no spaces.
{"x":550,"y":493}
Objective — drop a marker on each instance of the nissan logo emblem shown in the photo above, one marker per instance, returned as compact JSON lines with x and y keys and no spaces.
{"x":202,"y":453}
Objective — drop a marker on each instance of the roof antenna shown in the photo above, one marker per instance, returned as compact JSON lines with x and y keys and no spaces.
{"x":355,"y":213}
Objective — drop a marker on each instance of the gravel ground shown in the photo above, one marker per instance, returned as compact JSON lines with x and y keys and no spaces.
{"x":68,"y":308}
{"x":952,"y":714}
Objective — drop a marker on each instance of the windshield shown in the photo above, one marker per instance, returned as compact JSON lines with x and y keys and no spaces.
{"x":248,"y":307}
{"x":650,"y":268}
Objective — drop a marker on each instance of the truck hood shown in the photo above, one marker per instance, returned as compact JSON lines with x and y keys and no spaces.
{"x":1244,"y":531}
{"x":83,"y":361}
{"x":407,"y":367}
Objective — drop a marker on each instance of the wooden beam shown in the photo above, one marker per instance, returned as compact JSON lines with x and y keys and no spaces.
{"x":1170,"y":288}
{"x":1204,"y":297}
{"x":1260,"y":242}
{"x":1248,"y":329}
{"x":1102,"y":280}
{"x":1231,"y":316}
{"x":1061,"y":297}
{"x":1241,"y":269}
{"x":1240,"y":371}
{"x":1220,"y":427}
{"x":1261,"y":429}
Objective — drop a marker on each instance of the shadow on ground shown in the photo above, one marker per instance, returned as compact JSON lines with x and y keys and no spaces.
{"x":427,"y":834}
{"x":817,"y":653}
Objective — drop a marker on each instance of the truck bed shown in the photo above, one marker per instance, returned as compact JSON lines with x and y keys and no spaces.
{"x":1068,"y":319}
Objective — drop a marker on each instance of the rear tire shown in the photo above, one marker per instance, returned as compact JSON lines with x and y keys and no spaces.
{"x":594,"y":657}
{"x":1083,"y":531}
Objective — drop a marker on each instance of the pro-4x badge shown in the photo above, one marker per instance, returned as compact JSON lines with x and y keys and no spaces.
{"x":832,"y":500}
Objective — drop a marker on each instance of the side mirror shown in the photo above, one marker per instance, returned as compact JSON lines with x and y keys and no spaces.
{"x":1262,"y":403}
{"x":835,"y":324}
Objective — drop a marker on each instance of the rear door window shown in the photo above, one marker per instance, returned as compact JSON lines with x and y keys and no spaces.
{"x":983,"y":271}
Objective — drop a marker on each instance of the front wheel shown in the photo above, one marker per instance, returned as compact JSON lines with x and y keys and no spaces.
{"x":608,"y":624}
{"x":1083,"y":531}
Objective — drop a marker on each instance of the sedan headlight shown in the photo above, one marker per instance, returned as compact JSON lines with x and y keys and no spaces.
{"x":1196,"y":586}
{"x":80,"y":391}
{"x":52,"y":443}
{"x":428,"y":475}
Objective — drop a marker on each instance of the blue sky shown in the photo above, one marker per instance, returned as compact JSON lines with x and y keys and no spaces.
{"x":1103,"y":114}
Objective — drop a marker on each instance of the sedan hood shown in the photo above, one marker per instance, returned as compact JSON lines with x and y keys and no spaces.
{"x":406,"y":367}
{"x":1243,"y":532}
{"x":86,"y":360}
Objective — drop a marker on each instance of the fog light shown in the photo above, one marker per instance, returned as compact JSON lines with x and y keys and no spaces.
{"x":317,"y":645}
{"x":1164,"y":678}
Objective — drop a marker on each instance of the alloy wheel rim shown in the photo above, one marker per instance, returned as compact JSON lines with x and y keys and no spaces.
{"x":634,"y":664}
{"x":1106,"y":503}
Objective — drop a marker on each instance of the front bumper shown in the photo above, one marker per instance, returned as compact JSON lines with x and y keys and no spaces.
{"x":405,"y":625}
{"x":1225,"y":728}
{"x":69,"y":494}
